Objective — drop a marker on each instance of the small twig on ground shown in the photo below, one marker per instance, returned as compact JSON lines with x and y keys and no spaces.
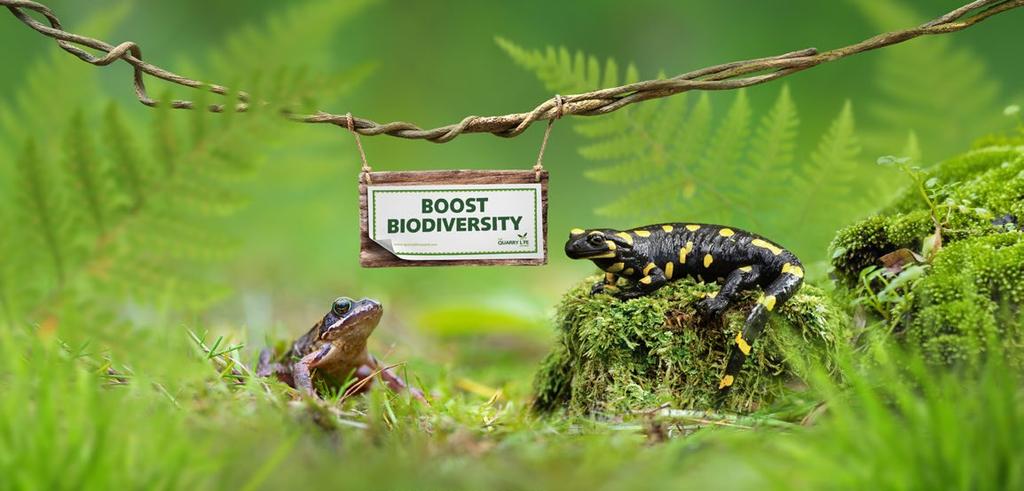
{"x":358,"y":386}
{"x":717,"y":419}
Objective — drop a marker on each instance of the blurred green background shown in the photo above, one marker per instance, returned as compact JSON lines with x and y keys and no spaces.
{"x":257,"y":231}
{"x":296,"y":241}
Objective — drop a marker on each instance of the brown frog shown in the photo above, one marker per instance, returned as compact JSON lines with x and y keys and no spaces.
{"x":334,"y":350}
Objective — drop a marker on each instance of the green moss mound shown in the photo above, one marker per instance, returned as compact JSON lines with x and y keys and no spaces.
{"x":614,"y":356}
{"x":972,"y":290}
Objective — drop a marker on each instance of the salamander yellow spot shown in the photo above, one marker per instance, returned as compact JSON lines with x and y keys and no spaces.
{"x":711,"y":294}
{"x":793,"y":270}
{"x":742,"y":344}
{"x":684,"y":251}
{"x":768,"y":301}
{"x":707,"y":260}
{"x":615,"y":268}
{"x":611,"y":246}
{"x":746,"y":269}
{"x":693,"y":228}
{"x":628,"y":272}
{"x":669,"y":266}
{"x":609,"y":277}
{"x":577,"y":231}
{"x":642,"y":233}
{"x":726,"y":382}
{"x":626,"y":237}
{"x":726,"y":232}
{"x":666,"y":228}
{"x":766,"y":245}
{"x":649,"y":267}
{"x":646,"y":280}
{"x":611,"y":287}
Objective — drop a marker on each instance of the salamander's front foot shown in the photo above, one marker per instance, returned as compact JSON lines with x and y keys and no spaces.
{"x":597,"y":289}
{"x":711,"y":307}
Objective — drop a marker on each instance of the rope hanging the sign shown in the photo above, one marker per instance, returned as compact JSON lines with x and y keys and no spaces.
{"x":559,"y":107}
{"x":364,"y":175}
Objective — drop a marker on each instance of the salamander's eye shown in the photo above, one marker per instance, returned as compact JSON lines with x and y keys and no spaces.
{"x":596,"y":240}
{"x":341,"y":306}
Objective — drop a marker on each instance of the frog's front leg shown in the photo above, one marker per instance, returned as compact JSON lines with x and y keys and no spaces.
{"x":301,"y":370}
{"x":740,"y":279}
{"x":652,"y":278}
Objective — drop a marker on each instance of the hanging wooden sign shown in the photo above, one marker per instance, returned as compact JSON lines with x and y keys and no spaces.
{"x":453,"y":217}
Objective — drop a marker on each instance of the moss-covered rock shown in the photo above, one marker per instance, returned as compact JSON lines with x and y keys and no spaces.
{"x":971,"y":292}
{"x":614,"y":356}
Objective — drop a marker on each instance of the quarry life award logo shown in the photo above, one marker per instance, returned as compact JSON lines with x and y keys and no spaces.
{"x":457,"y":221}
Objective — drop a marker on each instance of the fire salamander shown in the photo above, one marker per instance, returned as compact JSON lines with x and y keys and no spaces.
{"x":650,"y":256}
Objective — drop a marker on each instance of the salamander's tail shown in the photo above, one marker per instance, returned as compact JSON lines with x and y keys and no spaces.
{"x":774,"y":296}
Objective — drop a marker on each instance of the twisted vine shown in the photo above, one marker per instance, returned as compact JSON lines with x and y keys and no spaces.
{"x":726,"y":76}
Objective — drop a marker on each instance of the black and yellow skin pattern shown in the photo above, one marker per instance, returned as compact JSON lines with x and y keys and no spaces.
{"x":650,"y":256}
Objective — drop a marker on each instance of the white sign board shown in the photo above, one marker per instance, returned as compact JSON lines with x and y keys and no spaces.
{"x":438,"y":222}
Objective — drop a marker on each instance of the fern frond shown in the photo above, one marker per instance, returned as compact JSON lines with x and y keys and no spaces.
{"x":42,"y":206}
{"x":128,"y":166}
{"x":89,"y":178}
{"x":662,"y":167}
{"x":944,"y":92}
{"x":52,"y":85}
{"x":774,"y":144}
{"x":833,"y":185}
{"x":771,"y":160}
{"x":730,"y":138}
{"x":838,"y":149}
{"x":159,"y":242}
{"x":165,"y":138}
{"x":284,"y":36}
{"x":556,"y":68}
{"x":724,"y":149}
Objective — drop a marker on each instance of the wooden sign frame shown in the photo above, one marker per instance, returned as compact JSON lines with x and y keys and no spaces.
{"x":372,"y":255}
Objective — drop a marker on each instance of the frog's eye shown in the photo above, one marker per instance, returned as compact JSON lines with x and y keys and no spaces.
{"x":341,"y":306}
{"x":596,"y":240}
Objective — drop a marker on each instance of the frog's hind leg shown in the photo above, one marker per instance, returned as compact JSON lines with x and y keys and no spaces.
{"x":264,"y":367}
{"x":774,"y":295}
{"x":267,"y":368}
